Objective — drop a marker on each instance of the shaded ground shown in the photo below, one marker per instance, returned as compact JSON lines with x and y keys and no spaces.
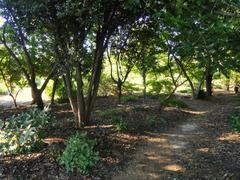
{"x":203,"y":147}
{"x":160,"y":143}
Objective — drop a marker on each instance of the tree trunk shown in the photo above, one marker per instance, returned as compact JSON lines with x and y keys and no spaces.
{"x":194,"y":94}
{"x":119,"y":86}
{"x":80,"y":98}
{"x":68,"y":87}
{"x":55,"y":83}
{"x":209,"y":85}
{"x":144,"y":84}
{"x":37,"y":97}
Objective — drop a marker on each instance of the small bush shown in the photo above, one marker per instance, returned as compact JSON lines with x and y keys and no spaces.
{"x":235,"y":121}
{"x":173,"y":102}
{"x":129,"y":98}
{"x":119,"y":124}
{"x":79,"y":154}
{"x":22,"y":133}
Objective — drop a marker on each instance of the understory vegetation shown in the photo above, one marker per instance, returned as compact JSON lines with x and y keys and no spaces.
{"x":23,"y":132}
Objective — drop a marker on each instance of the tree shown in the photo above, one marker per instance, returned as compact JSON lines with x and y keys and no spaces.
{"x":72,"y":26}
{"x":120,"y":52}
{"x":28,"y":51}
{"x":10,"y":76}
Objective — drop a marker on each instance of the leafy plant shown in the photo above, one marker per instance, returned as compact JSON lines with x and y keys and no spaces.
{"x":119,"y":124}
{"x":174,"y":102}
{"x":235,"y":121}
{"x":79,"y":154}
{"x":22,"y":133}
{"x":129,"y":98}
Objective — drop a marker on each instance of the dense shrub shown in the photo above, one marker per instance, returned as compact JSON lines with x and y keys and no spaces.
{"x":79,"y":154}
{"x":235,"y":121}
{"x":22,"y":133}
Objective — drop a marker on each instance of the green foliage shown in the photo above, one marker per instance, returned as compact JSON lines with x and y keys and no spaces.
{"x":3,"y":91}
{"x":129,"y":98}
{"x":79,"y":154}
{"x":61,"y":93}
{"x":235,"y":121}
{"x":155,"y":87}
{"x":120,"y":125}
{"x":130,"y":88}
{"x":187,"y":90}
{"x":22,"y":133}
{"x":106,"y":86}
{"x":174,"y":102}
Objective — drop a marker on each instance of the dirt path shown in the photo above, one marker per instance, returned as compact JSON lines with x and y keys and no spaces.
{"x":202,"y":147}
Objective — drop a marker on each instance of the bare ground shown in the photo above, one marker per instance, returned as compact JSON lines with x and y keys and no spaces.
{"x":201,"y":147}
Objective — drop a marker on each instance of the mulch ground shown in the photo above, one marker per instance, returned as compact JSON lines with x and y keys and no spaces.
{"x":115,"y":148}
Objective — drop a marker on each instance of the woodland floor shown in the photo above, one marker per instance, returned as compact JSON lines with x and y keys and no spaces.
{"x":160,"y":143}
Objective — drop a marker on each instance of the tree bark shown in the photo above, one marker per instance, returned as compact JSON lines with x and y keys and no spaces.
{"x":119,"y":86}
{"x":144,"y":84}
{"x":209,"y":78}
{"x":55,"y":83}
{"x":80,"y":98}
{"x":37,"y":97}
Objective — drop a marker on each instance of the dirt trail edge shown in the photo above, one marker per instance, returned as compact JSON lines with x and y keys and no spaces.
{"x":202,"y":147}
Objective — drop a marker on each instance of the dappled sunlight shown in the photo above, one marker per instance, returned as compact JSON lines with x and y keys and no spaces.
{"x":53,"y":140}
{"x":195,"y":112}
{"x":229,"y":137}
{"x":24,"y":157}
{"x":154,"y":140}
{"x":174,"y":167}
{"x":174,"y":135}
{"x":203,"y":150}
{"x":99,"y":126}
